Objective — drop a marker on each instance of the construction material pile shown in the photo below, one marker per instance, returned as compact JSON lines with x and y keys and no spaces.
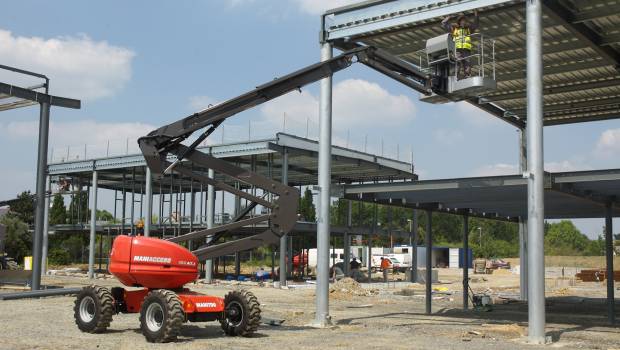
{"x":347,"y":287}
{"x":596,"y":275}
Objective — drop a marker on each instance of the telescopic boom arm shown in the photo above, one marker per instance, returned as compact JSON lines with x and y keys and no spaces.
{"x":158,"y":144}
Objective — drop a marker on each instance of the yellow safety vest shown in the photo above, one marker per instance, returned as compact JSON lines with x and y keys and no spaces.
{"x":462,"y":38}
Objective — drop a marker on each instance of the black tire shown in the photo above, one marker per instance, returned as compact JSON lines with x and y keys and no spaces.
{"x":241,"y":314}
{"x":161,"y":316}
{"x":93,"y":310}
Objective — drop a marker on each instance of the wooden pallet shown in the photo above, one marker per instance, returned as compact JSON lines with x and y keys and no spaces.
{"x":598,"y":275}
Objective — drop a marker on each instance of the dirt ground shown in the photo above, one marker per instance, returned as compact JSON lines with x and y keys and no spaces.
{"x":379,"y":319}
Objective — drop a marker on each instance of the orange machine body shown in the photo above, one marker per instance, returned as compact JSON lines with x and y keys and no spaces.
{"x":152,"y":263}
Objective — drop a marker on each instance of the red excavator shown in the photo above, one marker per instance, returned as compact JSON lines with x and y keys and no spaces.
{"x":160,"y":268}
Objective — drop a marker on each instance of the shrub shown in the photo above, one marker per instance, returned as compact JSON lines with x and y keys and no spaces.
{"x":58,"y":256}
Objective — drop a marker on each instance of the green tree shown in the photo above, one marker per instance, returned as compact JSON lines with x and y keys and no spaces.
{"x":58,"y":211}
{"x":306,"y":206}
{"x":104,"y":215}
{"x":78,"y":208}
{"x":563,"y":238}
{"x":596,"y":247}
{"x":23,"y":207}
{"x":18,"y":240}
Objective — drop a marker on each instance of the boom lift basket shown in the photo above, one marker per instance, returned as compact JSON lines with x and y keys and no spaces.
{"x":445,"y":63}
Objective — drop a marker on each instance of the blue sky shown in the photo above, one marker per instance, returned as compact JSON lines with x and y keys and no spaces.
{"x":137,"y":65}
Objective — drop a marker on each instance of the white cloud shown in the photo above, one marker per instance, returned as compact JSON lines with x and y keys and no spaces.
{"x":78,"y":67}
{"x":356,"y":103}
{"x":316,"y":7}
{"x":608,"y":144}
{"x":70,"y":138}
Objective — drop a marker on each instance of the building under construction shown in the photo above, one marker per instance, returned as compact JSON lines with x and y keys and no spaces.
{"x":534,"y":64}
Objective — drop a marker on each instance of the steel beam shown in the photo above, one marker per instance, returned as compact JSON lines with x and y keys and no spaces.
{"x":429,"y":261}
{"x":284,"y":238}
{"x":608,"y":10}
{"x":555,"y":67}
{"x":42,"y":98}
{"x":37,"y":244}
{"x":40,"y":293}
{"x":561,"y":120}
{"x":497,"y":112}
{"x":567,"y":106}
{"x":390,"y":16}
{"x":518,"y":53}
{"x":535,"y":170}
{"x":565,"y":17}
{"x":93,"y":226}
{"x":554,"y":89}
{"x":609,"y":39}
{"x":609,"y":260}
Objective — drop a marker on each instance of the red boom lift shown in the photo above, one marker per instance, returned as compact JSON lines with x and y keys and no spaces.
{"x":160,"y":268}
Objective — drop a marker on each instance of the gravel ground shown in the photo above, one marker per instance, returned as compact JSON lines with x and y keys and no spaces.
{"x":391,"y":322}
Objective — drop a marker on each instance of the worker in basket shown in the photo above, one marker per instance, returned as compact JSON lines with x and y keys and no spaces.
{"x":461,"y":31}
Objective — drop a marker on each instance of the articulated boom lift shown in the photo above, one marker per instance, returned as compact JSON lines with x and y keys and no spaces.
{"x":163,"y":267}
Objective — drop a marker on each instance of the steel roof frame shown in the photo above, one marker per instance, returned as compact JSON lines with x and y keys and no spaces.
{"x":580,"y":51}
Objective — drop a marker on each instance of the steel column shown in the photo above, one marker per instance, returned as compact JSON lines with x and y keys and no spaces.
{"x":124,"y":208}
{"x":324,"y":176}
{"x":466,"y":261}
{"x":284,"y":238}
{"x":369,"y":258}
{"x":44,"y":119}
{"x":149,"y":203}
{"x":347,"y":240}
{"x":289,"y":264}
{"x":414,"y":247}
{"x":192,"y":211}
{"x":522,"y":222}
{"x":429,"y":261}
{"x":609,"y":259}
{"x":375,"y":218}
{"x":535,"y":200}
{"x":46,"y":221}
{"x":93,"y":227}
{"x":210,"y":219}
{"x":133,"y":201}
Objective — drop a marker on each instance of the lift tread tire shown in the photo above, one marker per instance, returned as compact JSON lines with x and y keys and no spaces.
{"x":246,"y":324}
{"x":96,"y":303}
{"x":172,"y":316}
